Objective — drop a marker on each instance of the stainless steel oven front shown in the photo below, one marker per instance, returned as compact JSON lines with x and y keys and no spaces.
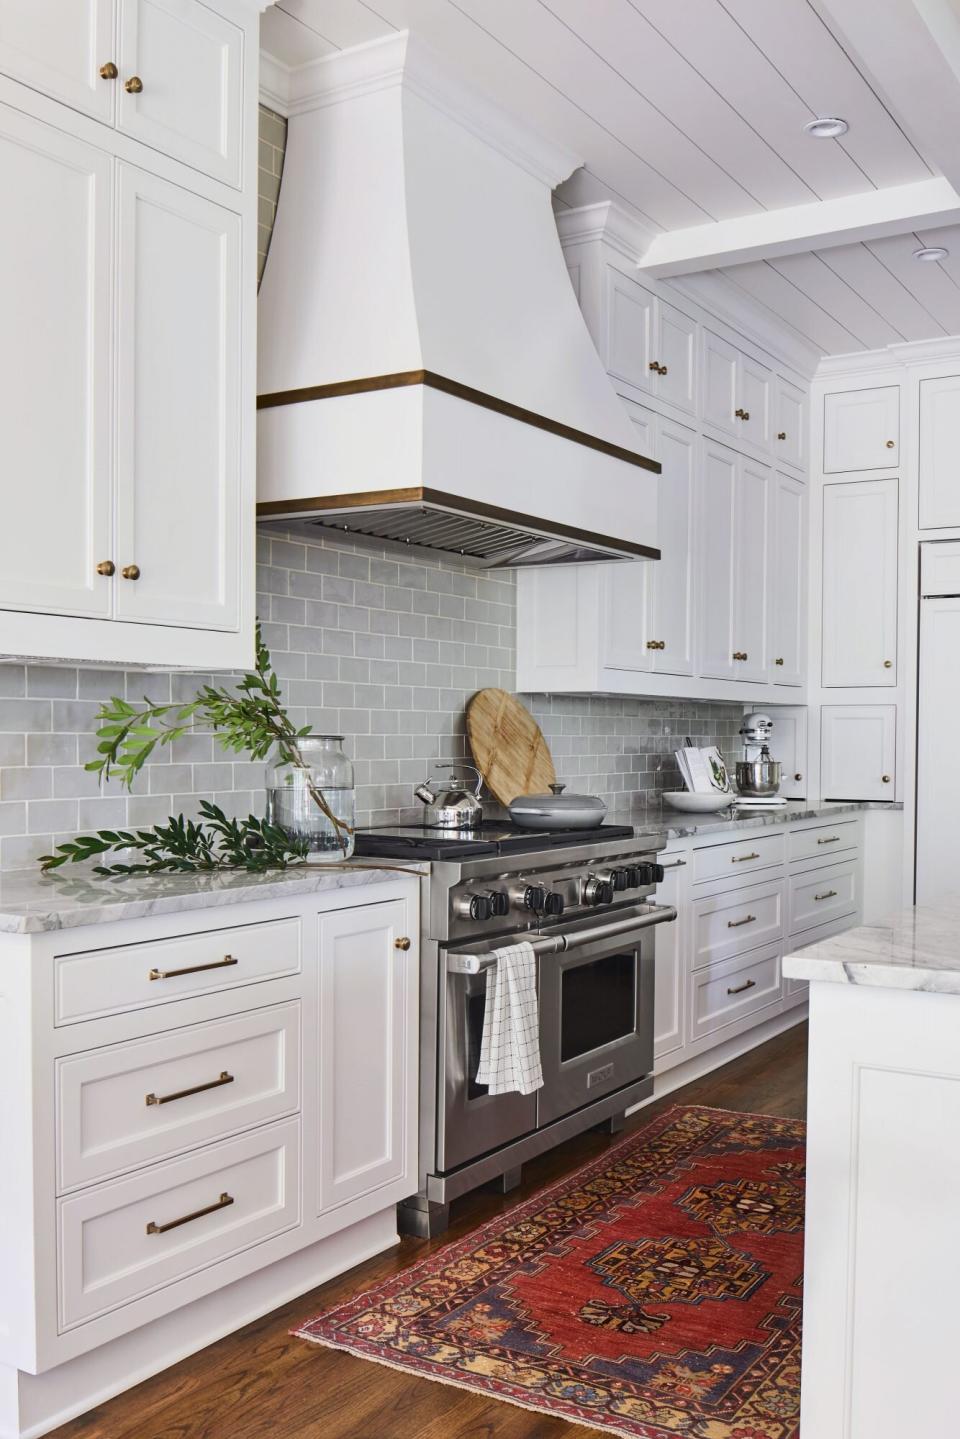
{"x":596,"y":1029}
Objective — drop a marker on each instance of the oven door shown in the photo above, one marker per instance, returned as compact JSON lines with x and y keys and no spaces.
{"x":470,"y":1121}
{"x":596,"y":1020}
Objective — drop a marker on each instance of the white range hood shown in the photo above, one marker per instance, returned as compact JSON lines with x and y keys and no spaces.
{"x":425,"y":373}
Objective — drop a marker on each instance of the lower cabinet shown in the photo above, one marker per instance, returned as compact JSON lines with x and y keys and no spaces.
{"x":858,"y":752}
{"x":223,"y":1098}
{"x":669,"y":993}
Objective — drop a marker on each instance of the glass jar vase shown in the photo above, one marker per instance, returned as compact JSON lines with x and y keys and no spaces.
{"x":315,"y":802}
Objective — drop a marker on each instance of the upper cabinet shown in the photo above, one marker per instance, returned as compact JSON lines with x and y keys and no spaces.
{"x":649,"y":345}
{"x":860,"y":534}
{"x":738,"y":393}
{"x":786,"y":588}
{"x":940,"y":453}
{"x":173,"y":79}
{"x":861,"y":430}
{"x":133,"y":324}
{"x":734,"y":503}
{"x":789,"y":423}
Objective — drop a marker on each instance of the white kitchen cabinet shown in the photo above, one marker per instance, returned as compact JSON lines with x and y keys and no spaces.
{"x":188,"y":61}
{"x":788,"y":744}
{"x":647,"y":343}
{"x":368,"y":961}
{"x":789,"y":423}
{"x":59,"y":49}
{"x":756,"y":388}
{"x":670,"y":985}
{"x":938,"y":874}
{"x":720,"y":383}
{"x":786,"y":580}
{"x":675,"y":343}
{"x":55,"y":401}
{"x":940,"y":453}
{"x":734,"y":511}
{"x":860,"y":546}
{"x":861,"y":429}
{"x":179,"y":273}
{"x":858,"y":752}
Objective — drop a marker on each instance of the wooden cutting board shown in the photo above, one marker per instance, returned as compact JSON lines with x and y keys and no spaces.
{"x":508,"y":746}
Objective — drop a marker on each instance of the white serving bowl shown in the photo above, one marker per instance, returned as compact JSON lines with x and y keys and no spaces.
{"x":697,"y":803}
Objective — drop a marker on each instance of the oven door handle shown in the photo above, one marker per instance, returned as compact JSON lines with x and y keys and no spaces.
{"x":562,"y":944}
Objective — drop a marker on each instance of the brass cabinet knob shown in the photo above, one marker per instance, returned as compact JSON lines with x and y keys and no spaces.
{"x":106,"y":567}
{"x":781,"y":434}
{"x":109,"y":71}
{"x":402,"y":943}
{"x":891,"y":444}
{"x":888,"y":664}
{"x":663,"y":370}
{"x":134,"y":85}
{"x":885,"y":778}
{"x":739,"y":654}
{"x":652,"y":645}
{"x":654,"y":365}
{"x":798,"y":775}
{"x":131,"y":572}
{"x":778,"y":662}
{"x":741,"y":414}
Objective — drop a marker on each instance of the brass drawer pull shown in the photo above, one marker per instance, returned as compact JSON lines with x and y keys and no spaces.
{"x":109,"y":71}
{"x":891,"y":444}
{"x":106,"y":568}
{"x":402,"y":943}
{"x":225,"y":1078}
{"x":778,"y":662}
{"x":888,"y":664}
{"x":742,"y":858}
{"x":222,"y":1202}
{"x":750,"y":984}
{"x":675,"y":864}
{"x":134,"y":86}
{"x":833,"y":839}
{"x":885,"y":778}
{"x":798,"y":775}
{"x":224,"y":963}
{"x":782,"y":435}
{"x":131,"y":572}
{"x":736,"y":923}
{"x":827,"y":894}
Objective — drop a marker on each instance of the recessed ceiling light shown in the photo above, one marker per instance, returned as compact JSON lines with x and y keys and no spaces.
{"x":930,"y":253}
{"x":827,"y":127}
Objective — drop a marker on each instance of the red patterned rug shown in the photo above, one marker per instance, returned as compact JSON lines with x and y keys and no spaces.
{"x":654,"y":1293}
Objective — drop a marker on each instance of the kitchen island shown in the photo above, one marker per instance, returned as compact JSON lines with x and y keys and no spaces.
{"x":882,"y":1263}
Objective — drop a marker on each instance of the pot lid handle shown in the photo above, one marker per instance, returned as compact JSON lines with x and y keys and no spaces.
{"x":557,"y":788}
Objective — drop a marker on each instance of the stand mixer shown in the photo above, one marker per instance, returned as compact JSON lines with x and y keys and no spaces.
{"x":758,"y":774}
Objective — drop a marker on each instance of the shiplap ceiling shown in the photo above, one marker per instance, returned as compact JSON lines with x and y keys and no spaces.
{"x":692,"y":111}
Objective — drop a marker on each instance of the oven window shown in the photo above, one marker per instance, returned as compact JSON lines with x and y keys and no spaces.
{"x":597,"y":1004}
{"x":476,"y":1004}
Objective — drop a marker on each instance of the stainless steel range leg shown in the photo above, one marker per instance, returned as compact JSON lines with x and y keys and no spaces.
{"x":422,"y":1217}
{"x":614,"y":1124}
{"x":510,"y":1179}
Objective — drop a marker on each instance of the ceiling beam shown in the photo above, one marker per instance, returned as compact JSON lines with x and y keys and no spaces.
{"x":924,"y":204}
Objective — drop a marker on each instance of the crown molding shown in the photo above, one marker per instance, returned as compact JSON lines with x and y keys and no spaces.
{"x":403,"y":61}
{"x":609,"y":223}
{"x":905,"y":353}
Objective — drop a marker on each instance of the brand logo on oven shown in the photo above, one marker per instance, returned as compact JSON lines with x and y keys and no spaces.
{"x":599,"y":1076}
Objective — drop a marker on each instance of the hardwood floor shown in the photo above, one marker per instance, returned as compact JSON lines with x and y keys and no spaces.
{"x":262,"y":1384}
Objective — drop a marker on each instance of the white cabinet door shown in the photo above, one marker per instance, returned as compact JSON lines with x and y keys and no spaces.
{"x":754,"y":399}
{"x":790,"y":424}
{"x":671,"y":579}
{"x":629,"y":331}
{"x":858,"y":751}
{"x":938,"y":784}
{"x":751,"y":535}
{"x":715,"y":511}
{"x":188,"y":61}
{"x":55,"y":320}
{"x":368,"y":1050}
{"x":940,"y":453}
{"x":720,"y":381}
{"x":861,"y":430}
{"x":860,"y":527}
{"x":178,"y":401}
{"x":788,"y":744}
{"x":676,"y":354}
{"x":669,"y":986}
{"x":59,"y":49}
{"x":785,"y":584}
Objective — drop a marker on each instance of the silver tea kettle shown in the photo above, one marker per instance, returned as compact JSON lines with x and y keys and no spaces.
{"x":458,"y":807}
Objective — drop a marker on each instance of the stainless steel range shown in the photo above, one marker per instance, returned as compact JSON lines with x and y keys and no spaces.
{"x":583,"y":899}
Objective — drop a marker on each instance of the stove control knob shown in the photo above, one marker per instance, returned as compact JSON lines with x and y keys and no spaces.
{"x":553,"y":903}
{"x":475,"y":906}
{"x":597,"y":891}
{"x":499,"y":902}
{"x":620,"y":879}
{"x":651,"y":874}
{"x":634,"y":880}
{"x":533,"y":896}
{"x":659,"y":873}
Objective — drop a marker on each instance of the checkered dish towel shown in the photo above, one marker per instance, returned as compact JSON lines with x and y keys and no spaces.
{"x":510,"y":1046}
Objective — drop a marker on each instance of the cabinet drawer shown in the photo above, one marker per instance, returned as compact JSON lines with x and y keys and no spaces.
{"x":823,"y":895}
{"x":824,"y":840}
{"x":728,"y":924}
{"x":742,"y":856}
{"x":727,"y":992}
{"x":132,"y":976}
{"x":134,"y":1103}
{"x":122,"y":1241}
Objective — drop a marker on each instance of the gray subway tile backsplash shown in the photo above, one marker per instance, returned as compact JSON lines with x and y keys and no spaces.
{"x":384,"y":650}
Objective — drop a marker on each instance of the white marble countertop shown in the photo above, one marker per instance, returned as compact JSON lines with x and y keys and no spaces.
{"x":918,"y":948}
{"x":32,"y":902}
{"x":675,"y":825}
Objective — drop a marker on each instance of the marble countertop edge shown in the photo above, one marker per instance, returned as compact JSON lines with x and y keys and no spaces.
{"x":916,"y":949}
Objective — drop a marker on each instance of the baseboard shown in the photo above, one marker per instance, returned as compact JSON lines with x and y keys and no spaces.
{"x":33,"y":1404}
{"x":721,"y":1054}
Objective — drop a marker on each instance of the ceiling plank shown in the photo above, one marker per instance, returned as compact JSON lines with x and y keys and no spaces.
{"x":803,"y":227}
{"x":864,"y":273}
{"x":929,"y":283}
{"x":785,"y":300}
{"x":289,"y":40}
{"x":342,"y":22}
{"x":824,"y":286}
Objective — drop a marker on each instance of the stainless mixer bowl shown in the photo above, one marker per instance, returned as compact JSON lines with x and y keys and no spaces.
{"x":759,"y":776}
